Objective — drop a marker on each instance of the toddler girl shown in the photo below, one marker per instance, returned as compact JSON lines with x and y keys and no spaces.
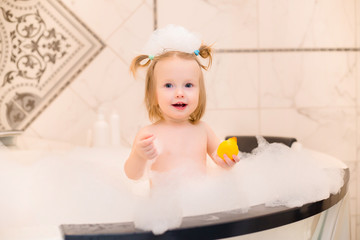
{"x":175,"y":99}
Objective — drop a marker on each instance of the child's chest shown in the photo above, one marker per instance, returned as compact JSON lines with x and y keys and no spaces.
{"x":181,"y":146}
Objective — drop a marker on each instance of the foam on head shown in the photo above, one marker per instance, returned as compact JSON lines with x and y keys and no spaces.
{"x":172,"y":38}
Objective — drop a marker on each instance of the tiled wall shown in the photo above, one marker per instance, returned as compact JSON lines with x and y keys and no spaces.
{"x":286,"y":68}
{"x":42,"y":48}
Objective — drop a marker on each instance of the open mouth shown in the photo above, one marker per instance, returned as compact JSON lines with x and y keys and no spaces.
{"x":179,"y":105}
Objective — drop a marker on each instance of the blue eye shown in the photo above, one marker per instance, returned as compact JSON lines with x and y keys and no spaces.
{"x":189,"y":85}
{"x":168,"y":85}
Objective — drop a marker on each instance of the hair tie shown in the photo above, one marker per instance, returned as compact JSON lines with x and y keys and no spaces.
{"x":151,"y":57}
{"x":197,"y":52}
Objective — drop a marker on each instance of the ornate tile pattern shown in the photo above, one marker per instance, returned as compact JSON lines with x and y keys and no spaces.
{"x":43,"y":46}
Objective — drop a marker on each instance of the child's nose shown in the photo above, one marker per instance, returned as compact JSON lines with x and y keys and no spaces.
{"x":179,"y":93}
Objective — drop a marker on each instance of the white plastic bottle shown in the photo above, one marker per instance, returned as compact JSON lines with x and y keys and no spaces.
{"x":115,"y":129}
{"x":101,"y":132}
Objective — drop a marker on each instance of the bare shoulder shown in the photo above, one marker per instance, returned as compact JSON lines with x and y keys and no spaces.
{"x":205,"y":126}
{"x":207,"y":130}
{"x":147,"y":128}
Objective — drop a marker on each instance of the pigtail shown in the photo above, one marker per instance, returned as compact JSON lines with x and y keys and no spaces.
{"x":138,"y":62}
{"x":206,"y":52}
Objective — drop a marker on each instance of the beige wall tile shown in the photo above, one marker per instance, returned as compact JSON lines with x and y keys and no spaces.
{"x":233,"y":122}
{"x":357,"y":72}
{"x":228,"y":24}
{"x":358,"y":162}
{"x":329,"y":130}
{"x":130,"y":37}
{"x":232,"y":82}
{"x":354,"y":228}
{"x":107,"y":78}
{"x":67,"y":119}
{"x":103,"y":17}
{"x":308,"y":79}
{"x":357,"y":23}
{"x":306,"y":24}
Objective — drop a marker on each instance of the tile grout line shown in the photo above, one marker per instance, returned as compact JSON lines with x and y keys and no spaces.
{"x":357,"y":75}
{"x":286,"y":108}
{"x":155,"y":14}
{"x":123,"y":22}
{"x":277,"y":50}
{"x":258,"y":72}
{"x":154,"y":21}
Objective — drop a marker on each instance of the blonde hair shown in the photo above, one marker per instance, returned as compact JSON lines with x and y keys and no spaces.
{"x":152,"y":105}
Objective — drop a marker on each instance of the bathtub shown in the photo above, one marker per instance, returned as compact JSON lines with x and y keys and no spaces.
{"x":41,"y":185}
{"x":321,"y":220}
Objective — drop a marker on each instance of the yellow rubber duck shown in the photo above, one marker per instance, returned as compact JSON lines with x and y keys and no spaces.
{"x":228,"y":147}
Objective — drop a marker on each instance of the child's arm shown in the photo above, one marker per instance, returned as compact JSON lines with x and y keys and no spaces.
{"x":213,"y":143}
{"x":143,"y":150}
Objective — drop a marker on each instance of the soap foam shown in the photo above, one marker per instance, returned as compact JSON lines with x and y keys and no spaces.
{"x":274,"y":175}
{"x":89,"y":186}
{"x":278,"y":175}
{"x":159,"y":211}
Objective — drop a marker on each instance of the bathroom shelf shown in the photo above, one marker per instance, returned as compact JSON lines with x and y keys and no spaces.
{"x":8,"y":138}
{"x":10,"y":133}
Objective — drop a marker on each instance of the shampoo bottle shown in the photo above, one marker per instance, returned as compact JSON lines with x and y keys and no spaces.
{"x":101,"y":132}
{"x":115,"y":129}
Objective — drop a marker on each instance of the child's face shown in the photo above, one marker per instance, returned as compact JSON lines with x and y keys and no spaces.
{"x":177,"y":87}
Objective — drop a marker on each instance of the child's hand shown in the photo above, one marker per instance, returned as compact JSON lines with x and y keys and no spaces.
{"x":227,"y":162}
{"x":145,"y":147}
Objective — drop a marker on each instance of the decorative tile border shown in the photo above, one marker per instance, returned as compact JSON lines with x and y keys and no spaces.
{"x":43,"y":47}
